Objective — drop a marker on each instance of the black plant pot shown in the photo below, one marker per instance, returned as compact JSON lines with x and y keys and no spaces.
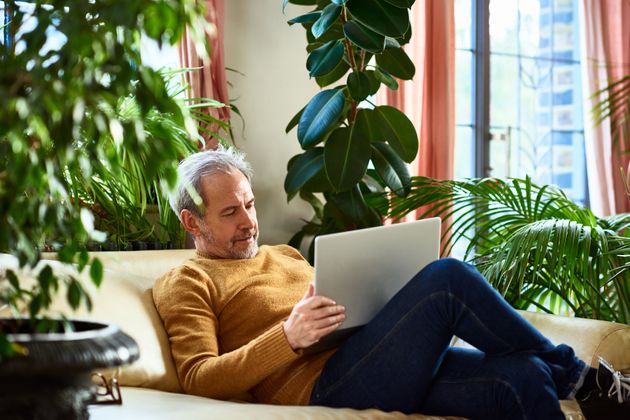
{"x":54,"y":380}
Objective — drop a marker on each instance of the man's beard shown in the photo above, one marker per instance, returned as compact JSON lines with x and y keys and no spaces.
{"x":233,"y":253}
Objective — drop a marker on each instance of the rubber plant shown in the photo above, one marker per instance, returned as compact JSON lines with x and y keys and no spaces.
{"x":58,"y":116}
{"x":351,"y":147}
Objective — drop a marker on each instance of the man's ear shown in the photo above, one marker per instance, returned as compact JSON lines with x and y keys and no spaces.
{"x":190,"y":222}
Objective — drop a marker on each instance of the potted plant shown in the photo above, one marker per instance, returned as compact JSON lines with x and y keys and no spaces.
{"x":534,"y":245}
{"x":130,"y":207}
{"x":63,"y":71}
{"x":351,"y":146}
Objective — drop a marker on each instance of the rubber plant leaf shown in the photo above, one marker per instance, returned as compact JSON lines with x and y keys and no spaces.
{"x":384,"y":77}
{"x":363,"y":37}
{"x":320,"y":115}
{"x":303,"y":168}
{"x":294,"y":121}
{"x":375,"y":82}
{"x":391,"y":168}
{"x":396,"y":62}
{"x":346,"y":157}
{"x":403,"y":4}
{"x":380,"y":17}
{"x":358,"y":86}
{"x":398,"y":131}
{"x":367,"y":123}
{"x":337,"y":73}
{"x":328,"y":16}
{"x":325,"y":58}
{"x":307,"y":17}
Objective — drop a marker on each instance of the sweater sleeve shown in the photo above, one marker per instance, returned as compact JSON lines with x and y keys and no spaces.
{"x":185,"y":306}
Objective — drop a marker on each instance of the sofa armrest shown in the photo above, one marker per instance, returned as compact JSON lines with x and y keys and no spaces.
{"x":589,"y":338}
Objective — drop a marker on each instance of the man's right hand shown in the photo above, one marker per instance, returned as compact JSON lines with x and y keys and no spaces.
{"x":311,"y":319}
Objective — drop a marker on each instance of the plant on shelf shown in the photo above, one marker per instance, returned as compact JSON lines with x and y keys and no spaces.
{"x":66,"y":73}
{"x":131,"y":208}
{"x":356,"y":46}
{"x":535,"y":246}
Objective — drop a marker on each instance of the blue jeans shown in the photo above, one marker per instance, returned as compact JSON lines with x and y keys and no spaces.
{"x":401,"y":360}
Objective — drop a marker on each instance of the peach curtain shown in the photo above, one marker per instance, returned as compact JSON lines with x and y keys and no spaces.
{"x":208,"y":79}
{"x":429,"y":99}
{"x":606,"y":35}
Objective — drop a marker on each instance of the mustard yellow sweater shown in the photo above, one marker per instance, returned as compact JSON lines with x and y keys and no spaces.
{"x":224,"y":321}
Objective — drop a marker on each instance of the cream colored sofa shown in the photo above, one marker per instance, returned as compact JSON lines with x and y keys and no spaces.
{"x":151,"y":389}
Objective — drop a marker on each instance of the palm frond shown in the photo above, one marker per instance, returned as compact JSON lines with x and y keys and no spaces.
{"x":536,"y":247}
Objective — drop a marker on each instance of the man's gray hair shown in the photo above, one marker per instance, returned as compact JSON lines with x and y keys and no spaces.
{"x":192,"y":169}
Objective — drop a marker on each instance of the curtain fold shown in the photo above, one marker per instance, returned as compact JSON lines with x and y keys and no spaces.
{"x":429,"y":100}
{"x":606,"y":58}
{"x":208,"y":79}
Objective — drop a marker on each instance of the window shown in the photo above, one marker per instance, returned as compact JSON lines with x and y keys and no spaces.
{"x":518,"y":92}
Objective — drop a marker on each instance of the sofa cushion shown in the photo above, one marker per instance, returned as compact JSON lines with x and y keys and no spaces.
{"x":123,"y":299}
{"x":150,"y":404}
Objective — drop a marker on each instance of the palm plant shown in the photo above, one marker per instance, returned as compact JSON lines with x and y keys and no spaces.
{"x":120,"y":201}
{"x":535,"y":246}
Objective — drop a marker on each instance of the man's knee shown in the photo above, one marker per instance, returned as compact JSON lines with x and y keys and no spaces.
{"x":448,"y":273}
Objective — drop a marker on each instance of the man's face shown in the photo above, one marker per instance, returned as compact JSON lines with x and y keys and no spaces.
{"x":229,"y":228}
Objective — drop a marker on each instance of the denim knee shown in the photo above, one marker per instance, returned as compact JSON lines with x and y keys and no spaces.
{"x":449,"y":274}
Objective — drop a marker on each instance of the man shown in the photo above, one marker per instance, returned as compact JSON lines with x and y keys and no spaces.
{"x":239,"y":316}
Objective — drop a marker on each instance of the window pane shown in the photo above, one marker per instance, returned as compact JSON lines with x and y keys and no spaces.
{"x":464,"y":152}
{"x":503,"y":26}
{"x":463,"y":24}
{"x":503,"y":93}
{"x":535,"y":99}
{"x":463,"y":87}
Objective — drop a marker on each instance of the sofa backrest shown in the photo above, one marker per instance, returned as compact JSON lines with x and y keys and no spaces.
{"x":125,"y":299}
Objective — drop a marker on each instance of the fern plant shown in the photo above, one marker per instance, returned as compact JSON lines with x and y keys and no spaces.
{"x":536,"y":247}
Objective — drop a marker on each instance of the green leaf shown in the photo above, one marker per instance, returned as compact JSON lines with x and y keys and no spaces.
{"x":337,"y":73}
{"x":74,"y":294}
{"x":328,"y":17}
{"x":380,"y":17}
{"x":367,"y":122}
{"x":13,"y":280}
{"x":386,"y":78}
{"x":353,"y":206}
{"x":303,"y":2}
{"x":375,"y":82}
{"x":303,"y":168}
{"x":339,"y":2}
{"x":325,"y":58}
{"x":83,"y":259}
{"x":96,"y":272}
{"x":45,"y":278}
{"x":391,"y":168}
{"x":307,"y":17}
{"x":346,"y":157}
{"x":405,"y":38}
{"x":403,"y":4}
{"x":398,"y":131}
{"x":363,"y":37}
{"x":358,"y":86}
{"x":319,"y":116}
{"x":294,"y":120}
{"x":397,"y":63}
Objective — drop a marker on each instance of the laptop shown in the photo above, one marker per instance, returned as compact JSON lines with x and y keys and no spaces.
{"x":363,"y":269}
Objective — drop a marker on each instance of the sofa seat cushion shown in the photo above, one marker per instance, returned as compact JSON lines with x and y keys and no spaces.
{"x":140,"y":403}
